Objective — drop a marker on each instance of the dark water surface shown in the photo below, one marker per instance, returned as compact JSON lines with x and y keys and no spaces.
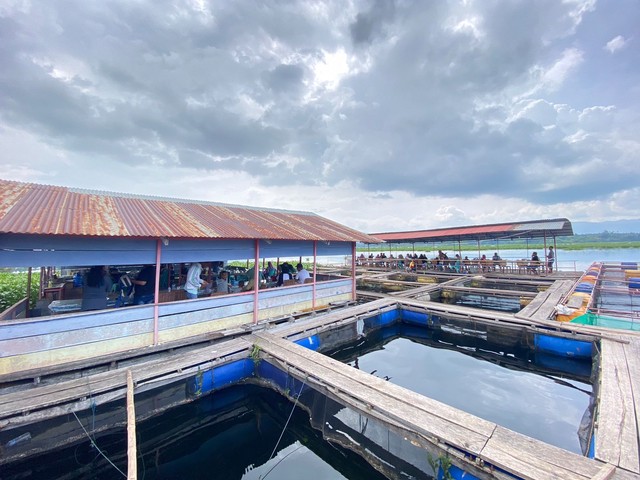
{"x":228,"y":435}
{"x":484,"y":302}
{"x":494,"y":385}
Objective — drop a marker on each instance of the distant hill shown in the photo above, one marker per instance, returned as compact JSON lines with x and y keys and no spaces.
{"x":617,"y":226}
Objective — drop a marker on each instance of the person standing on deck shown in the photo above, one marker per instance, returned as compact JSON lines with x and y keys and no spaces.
{"x":550,"y":260}
{"x":145,"y":286}
{"x":194,"y":282}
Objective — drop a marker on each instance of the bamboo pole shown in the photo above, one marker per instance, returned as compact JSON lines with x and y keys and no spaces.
{"x":132,"y":469}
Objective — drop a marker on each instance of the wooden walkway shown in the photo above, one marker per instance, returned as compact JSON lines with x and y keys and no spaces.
{"x":618,"y":426}
{"x":47,"y":401}
{"x":438,"y":424}
{"x":543,"y":305}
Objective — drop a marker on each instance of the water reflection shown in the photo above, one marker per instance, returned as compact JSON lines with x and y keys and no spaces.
{"x":530,"y":393}
{"x":228,"y":435}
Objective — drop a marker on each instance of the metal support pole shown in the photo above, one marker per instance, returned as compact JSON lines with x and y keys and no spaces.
{"x":353,"y":271}
{"x":256,"y":281}
{"x":156,"y":292}
{"x":313,"y":289}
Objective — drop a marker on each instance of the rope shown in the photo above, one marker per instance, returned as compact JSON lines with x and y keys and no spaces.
{"x":96,"y":446}
{"x":282,"y":433}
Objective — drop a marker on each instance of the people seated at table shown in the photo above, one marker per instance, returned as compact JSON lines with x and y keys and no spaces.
{"x":96,"y":286}
{"x":456,"y":265}
{"x":270,"y":272}
{"x":222,"y":283}
{"x":534,"y":264}
{"x":251,"y":278}
{"x":282,"y":275}
{"x":303,"y":274}
{"x":77,"y":279}
{"x":287,"y":268}
{"x":484,"y":263}
{"x":144,"y":286}
{"x":466,"y":263}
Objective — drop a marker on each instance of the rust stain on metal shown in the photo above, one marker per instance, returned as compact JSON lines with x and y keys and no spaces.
{"x":42,"y":209}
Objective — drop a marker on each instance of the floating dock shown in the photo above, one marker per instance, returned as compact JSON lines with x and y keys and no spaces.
{"x":479,"y":447}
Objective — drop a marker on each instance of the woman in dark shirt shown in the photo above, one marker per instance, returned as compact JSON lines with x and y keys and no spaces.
{"x":96,"y":285}
{"x":145,"y":286}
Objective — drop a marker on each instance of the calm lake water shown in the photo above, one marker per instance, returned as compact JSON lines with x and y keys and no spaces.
{"x":571,"y":260}
{"x":541,"y":405}
{"x":229,"y":435}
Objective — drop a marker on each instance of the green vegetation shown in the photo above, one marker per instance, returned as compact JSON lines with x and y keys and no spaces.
{"x":443,"y":462}
{"x":255,"y":355}
{"x":13,"y":288}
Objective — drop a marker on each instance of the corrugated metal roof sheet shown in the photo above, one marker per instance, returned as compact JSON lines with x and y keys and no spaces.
{"x":42,"y":209}
{"x":529,"y":229}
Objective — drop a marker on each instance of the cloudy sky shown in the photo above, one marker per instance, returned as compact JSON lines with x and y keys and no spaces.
{"x":382,"y":115}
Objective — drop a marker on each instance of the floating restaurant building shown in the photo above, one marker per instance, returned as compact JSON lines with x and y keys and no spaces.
{"x":65,"y":377}
{"x":53,"y":226}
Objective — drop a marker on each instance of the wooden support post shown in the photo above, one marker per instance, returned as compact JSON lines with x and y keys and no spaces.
{"x":132,"y":469}
{"x":26,"y":313}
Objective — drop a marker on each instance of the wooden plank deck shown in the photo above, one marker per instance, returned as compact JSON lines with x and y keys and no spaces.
{"x":24,"y":406}
{"x":617,"y":428}
{"x":543,"y":305}
{"x":434,"y":421}
{"x":492,"y":291}
{"x":311,"y":324}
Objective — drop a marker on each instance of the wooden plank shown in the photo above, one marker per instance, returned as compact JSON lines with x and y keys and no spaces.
{"x":371,"y":308}
{"x":605,"y":473}
{"x":362,"y":378}
{"x":514,"y":452}
{"x":632,"y":354}
{"x":532,"y":459}
{"x":616,"y":431}
{"x":620,"y":474}
{"x":444,"y":309}
{"x":44,"y":396}
{"x":492,"y":291}
{"x":132,"y":463}
{"x":542,"y":306}
{"x":427,"y":416}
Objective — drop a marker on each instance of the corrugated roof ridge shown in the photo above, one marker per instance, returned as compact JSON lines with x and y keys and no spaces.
{"x":107,"y":193}
{"x":525,"y":222}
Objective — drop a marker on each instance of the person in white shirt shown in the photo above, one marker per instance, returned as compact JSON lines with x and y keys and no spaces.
{"x":194,"y":281}
{"x":302,"y":274}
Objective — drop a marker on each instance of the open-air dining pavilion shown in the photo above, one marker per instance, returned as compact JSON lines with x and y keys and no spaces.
{"x":49,"y":228}
{"x":547,"y":230}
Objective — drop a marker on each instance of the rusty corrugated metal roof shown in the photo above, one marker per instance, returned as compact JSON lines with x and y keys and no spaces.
{"x":48,"y":210}
{"x":529,"y":229}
